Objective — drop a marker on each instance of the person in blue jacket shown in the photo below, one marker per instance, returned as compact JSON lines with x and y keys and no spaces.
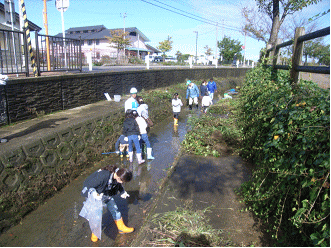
{"x":212,"y":88}
{"x":192,"y":94}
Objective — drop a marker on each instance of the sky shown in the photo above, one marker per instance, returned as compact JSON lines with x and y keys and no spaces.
{"x":157,"y":23}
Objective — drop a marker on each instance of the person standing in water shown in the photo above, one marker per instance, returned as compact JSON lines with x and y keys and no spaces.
{"x":99,"y":189}
{"x":176,"y":107}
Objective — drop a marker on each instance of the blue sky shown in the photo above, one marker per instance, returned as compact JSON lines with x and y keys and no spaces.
{"x":157,"y":23}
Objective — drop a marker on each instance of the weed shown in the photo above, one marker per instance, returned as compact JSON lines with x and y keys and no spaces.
{"x":184,"y":227}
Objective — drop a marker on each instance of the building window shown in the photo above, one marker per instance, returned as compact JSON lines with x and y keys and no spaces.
{"x":133,"y":34}
{"x":77,"y":32}
{"x":89,"y":42}
{"x":85,"y":31}
{"x":97,"y":42}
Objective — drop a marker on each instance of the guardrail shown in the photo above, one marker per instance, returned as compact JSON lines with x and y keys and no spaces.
{"x":51,"y":53}
{"x":298,"y":44}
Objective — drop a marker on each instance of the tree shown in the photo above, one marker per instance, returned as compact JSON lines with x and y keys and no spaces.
{"x":229,"y":48}
{"x":178,"y":56}
{"x":322,"y":53}
{"x":272,"y":9}
{"x":208,"y":51}
{"x":310,"y":48}
{"x":165,"y":46}
{"x":117,"y":39}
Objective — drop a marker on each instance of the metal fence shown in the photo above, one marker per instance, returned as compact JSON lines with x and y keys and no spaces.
{"x":58,"y":54}
{"x":298,"y":43}
{"x":12,"y":52}
{"x":51,"y":53}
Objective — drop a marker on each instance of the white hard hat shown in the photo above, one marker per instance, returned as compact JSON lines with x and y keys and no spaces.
{"x":133,"y":91}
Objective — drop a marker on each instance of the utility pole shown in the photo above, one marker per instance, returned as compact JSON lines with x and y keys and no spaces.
{"x":47,"y":38}
{"x":124,"y":16}
{"x":196,"y":47}
{"x":216,"y":44}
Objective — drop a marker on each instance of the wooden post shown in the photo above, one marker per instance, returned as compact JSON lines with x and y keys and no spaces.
{"x":276,"y":53}
{"x":297,"y":55}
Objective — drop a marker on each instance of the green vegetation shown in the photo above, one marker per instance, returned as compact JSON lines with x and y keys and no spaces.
{"x":286,"y":134}
{"x":216,"y":133}
{"x":284,"y":130}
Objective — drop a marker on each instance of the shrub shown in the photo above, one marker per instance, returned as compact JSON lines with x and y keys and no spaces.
{"x":286,"y":133}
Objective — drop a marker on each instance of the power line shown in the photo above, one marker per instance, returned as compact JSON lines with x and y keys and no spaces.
{"x":185,"y":12}
{"x":208,"y":22}
{"x":208,"y":12}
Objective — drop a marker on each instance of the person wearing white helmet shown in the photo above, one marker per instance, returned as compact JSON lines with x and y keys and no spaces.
{"x":131,"y":103}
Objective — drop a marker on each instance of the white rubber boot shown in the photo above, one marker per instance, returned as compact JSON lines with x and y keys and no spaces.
{"x":149,"y":153}
{"x":140,"y":160}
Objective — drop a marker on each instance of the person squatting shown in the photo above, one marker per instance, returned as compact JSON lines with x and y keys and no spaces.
{"x":98,"y":190}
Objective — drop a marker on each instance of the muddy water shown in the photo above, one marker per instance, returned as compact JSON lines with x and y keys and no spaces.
{"x":57,"y":222}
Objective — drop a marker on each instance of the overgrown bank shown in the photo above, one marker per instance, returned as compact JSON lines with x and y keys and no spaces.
{"x":285,"y":132}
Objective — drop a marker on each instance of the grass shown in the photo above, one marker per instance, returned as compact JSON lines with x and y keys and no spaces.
{"x":184,"y":227}
{"x":215,"y":133}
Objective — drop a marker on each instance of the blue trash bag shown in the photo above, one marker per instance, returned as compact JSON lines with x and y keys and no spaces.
{"x":92,"y":211}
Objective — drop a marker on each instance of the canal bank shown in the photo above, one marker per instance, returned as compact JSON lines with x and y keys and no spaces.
{"x":56,"y":222}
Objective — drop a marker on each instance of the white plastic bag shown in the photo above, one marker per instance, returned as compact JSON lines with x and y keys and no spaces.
{"x":92,"y":211}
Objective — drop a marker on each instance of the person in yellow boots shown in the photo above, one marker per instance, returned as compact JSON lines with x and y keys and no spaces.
{"x":99,"y":189}
{"x":176,"y":107}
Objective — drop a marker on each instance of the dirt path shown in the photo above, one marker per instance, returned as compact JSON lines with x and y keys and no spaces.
{"x":322,"y":80}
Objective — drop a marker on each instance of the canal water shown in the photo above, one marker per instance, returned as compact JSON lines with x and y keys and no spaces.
{"x":57,"y":222}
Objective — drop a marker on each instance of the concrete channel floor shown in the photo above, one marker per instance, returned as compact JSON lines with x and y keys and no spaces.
{"x":202,"y":181}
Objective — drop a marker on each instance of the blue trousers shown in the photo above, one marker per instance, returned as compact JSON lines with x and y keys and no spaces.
{"x":134,"y":139}
{"x":113,"y":209}
{"x":144,"y":137}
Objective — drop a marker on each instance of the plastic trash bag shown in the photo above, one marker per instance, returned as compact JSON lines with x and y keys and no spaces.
{"x":92,"y":211}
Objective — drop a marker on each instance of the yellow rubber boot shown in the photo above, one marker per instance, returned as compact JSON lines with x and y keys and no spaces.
{"x":122,"y":228}
{"x":94,"y":238}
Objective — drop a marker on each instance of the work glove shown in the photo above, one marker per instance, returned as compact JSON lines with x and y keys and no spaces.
{"x":97,"y":196}
{"x":126,"y":139}
{"x":139,"y":137}
{"x":125,"y":195}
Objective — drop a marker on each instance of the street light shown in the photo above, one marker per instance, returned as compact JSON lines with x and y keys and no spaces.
{"x":196,"y":47}
{"x":62,"y":6}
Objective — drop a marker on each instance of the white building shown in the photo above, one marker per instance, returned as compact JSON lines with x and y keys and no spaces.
{"x":95,"y":41}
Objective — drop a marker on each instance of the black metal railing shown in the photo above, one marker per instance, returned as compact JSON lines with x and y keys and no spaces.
{"x":58,"y":54}
{"x":13,"y":50}
{"x":51,"y":53}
